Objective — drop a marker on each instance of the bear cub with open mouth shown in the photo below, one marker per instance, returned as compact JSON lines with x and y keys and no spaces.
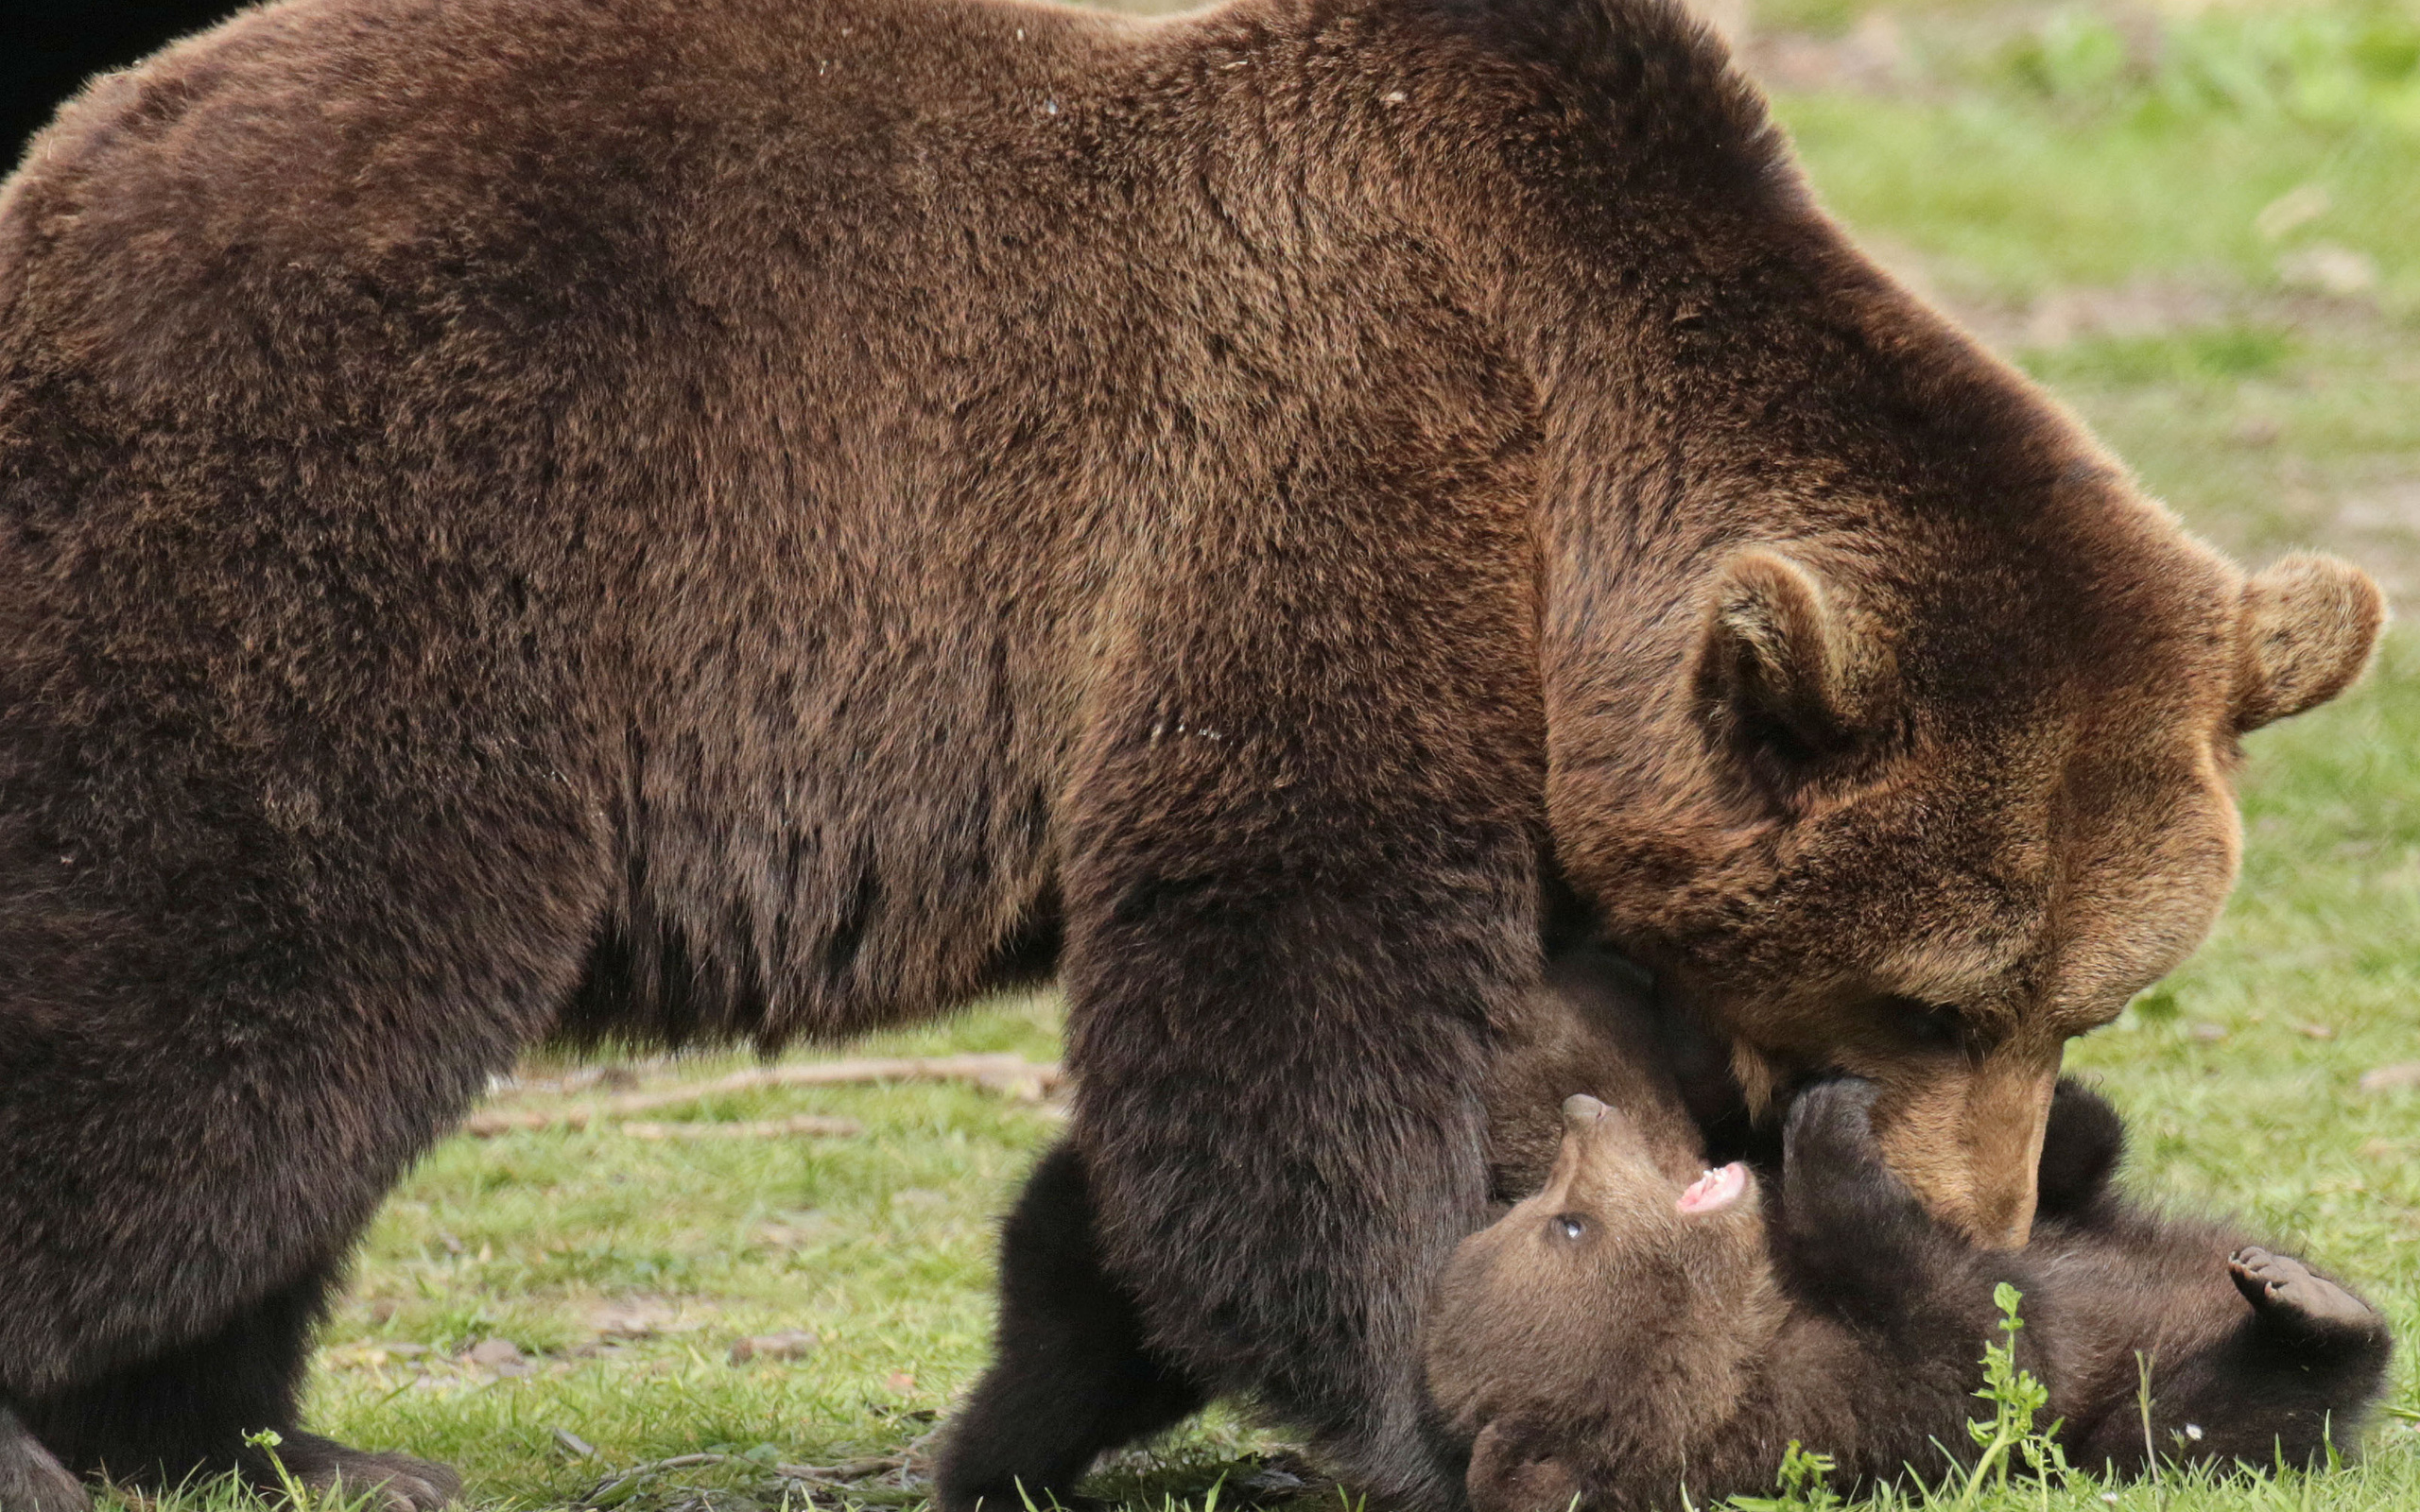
{"x":1640,"y":1323}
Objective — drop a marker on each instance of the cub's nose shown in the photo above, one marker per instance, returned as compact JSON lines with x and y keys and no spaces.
{"x":1581,"y":1111}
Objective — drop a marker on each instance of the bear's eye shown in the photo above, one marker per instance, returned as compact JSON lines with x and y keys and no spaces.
{"x":1568,"y":1226}
{"x":1931,"y":1026}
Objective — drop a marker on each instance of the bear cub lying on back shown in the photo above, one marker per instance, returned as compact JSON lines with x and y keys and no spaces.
{"x":1640,"y":1323}
{"x":1635,"y":1322}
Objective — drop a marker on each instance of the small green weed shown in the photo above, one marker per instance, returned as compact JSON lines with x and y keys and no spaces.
{"x":2016,"y":1396}
{"x":1802,"y":1482}
{"x":2007,"y":1439}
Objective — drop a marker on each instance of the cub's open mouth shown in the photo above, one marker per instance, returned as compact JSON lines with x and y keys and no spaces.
{"x":1716,"y":1189}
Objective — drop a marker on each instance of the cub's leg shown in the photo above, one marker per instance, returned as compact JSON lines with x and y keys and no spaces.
{"x":2297,"y":1369}
{"x":1070,"y":1369}
{"x":186,"y":1412}
{"x":1893,"y":1309}
{"x":2302,"y":1308}
{"x":2296,"y":1375}
{"x":2286,"y":1376}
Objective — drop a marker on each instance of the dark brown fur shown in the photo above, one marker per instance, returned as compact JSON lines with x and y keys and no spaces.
{"x":1666,"y":1347}
{"x":1598,"y":1343}
{"x":745,"y":519}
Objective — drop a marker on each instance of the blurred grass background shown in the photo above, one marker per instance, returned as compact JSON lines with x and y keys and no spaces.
{"x":2201,"y":223}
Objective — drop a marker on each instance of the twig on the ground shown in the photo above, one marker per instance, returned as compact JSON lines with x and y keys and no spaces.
{"x":613,"y":1076}
{"x":1010,"y":1074}
{"x":864,"y":1468}
{"x":811,"y":1126}
{"x":618,"y":1487}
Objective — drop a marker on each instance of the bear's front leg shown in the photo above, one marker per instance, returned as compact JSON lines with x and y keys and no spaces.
{"x":1303,"y":869}
{"x":1279,"y":1107}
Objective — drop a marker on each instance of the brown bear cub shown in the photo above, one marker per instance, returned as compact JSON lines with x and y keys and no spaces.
{"x":1637,"y":1322}
{"x":1640,"y":1323}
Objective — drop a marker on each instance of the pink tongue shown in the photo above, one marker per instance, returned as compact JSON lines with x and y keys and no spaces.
{"x":1715,"y":1189}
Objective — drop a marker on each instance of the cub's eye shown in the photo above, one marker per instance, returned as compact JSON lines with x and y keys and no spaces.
{"x":1567,"y":1226}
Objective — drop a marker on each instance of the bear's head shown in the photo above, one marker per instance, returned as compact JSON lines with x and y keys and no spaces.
{"x":1921,"y":795}
{"x":1540,"y":1321}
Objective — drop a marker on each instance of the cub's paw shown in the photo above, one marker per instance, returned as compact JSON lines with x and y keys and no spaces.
{"x":2288,"y":1296}
{"x":31,"y":1479}
{"x":2083,"y":1145}
{"x":405,"y":1485}
{"x":1831,"y":1127}
{"x":1834,"y":1181}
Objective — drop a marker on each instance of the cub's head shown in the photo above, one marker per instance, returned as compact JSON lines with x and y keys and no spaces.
{"x":1919,"y":801}
{"x":1548,"y":1311}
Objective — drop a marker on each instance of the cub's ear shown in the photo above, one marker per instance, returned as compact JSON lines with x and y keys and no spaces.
{"x":1785,"y":664}
{"x":2310,"y":625}
{"x":1511,"y":1472}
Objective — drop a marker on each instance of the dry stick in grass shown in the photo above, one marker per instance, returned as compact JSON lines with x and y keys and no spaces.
{"x":1027,"y":1080}
{"x":814,"y":1124}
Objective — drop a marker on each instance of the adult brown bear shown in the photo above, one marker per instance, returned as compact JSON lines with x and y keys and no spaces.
{"x":748,"y":519}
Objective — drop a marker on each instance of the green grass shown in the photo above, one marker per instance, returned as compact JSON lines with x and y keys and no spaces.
{"x":2023,"y":157}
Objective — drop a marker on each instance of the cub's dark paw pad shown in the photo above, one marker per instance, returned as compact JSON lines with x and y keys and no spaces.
{"x":2284,"y":1292}
{"x":406,"y":1484}
{"x":1831,"y":1122}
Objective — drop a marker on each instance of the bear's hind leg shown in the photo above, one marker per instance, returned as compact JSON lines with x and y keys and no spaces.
{"x":1070,"y":1376}
{"x":32,"y":1478}
{"x":185,"y":1414}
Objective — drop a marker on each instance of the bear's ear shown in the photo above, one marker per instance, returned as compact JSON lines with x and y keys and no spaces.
{"x":2310,"y":625}
{"x":1784,"y":668}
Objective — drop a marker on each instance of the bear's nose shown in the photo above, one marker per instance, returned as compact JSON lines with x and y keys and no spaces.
{"x":1580,"y":1111}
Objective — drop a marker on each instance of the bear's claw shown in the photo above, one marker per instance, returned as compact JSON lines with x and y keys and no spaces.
{"x":408,"y":1485}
